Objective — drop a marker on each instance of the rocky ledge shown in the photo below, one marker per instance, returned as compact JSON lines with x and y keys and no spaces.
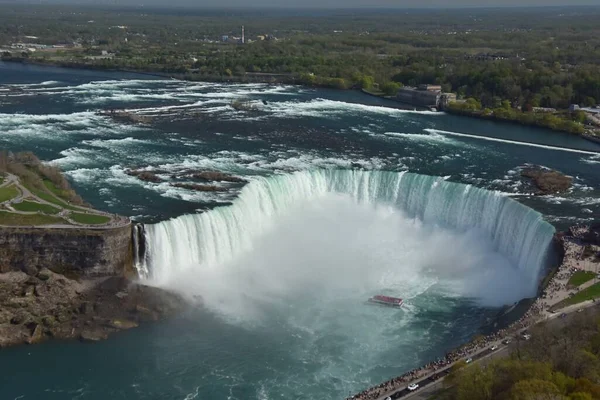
{"x":198,"y":175}
{"x":547,"y":181}
{"x":50,"y":305}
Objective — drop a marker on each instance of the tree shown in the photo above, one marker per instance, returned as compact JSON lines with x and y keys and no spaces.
{"x":535,"y":389}
{"x":390,"y":88}
{"x":476,"y":383}
{"x":580,"y":396}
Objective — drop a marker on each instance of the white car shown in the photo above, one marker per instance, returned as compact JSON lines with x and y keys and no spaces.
{"x":526,"y":336}
{"x":469,"y":360}
{"x":413,"y":386}
{"x":494,"y":348}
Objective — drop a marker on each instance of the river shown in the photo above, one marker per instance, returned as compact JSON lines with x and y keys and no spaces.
{"x":284,"y":315}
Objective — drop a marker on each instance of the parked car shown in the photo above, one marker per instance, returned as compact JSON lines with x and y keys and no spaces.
{"x":506,"y":341}
{"x":494,"y":348}
{"x":413,"y":386}
{"x":527,"y":336}
{"x":469,"y":360}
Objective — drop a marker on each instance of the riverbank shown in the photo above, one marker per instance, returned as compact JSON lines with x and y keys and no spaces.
{"x":570,"y":247}
{"x":524,"y":119}
{"x":542,"y":120}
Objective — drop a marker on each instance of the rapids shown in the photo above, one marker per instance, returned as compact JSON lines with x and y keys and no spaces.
{"x":283,"y":264}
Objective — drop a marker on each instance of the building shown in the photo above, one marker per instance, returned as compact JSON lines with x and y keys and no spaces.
{"x":418,"y":97}
{"x":446,"y":99}
{"x":224,"y":38}
{"x":589,"y":110}
{"x":431,"y":88}
{"x":430,"y":96}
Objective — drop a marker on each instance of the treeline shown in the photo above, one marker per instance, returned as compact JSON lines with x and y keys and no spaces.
{"x":565,"y":121}
{"x":528,"y":57}
{"x":557,"y":363}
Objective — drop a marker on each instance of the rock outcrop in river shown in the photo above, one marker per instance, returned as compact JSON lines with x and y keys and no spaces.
{"x":547,"y":181}
{"x":34,"y":308}
{"x":191,"y":174}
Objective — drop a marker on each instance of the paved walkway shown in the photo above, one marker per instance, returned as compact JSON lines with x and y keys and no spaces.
{"x":10,"y":179}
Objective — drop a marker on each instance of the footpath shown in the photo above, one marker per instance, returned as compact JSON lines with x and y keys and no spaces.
{"x":113,"y":221}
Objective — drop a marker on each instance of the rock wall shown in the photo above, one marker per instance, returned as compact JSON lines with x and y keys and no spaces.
{"x":69,"y":251}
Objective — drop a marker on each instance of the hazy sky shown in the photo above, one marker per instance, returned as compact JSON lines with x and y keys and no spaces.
{"x":321,"y":3}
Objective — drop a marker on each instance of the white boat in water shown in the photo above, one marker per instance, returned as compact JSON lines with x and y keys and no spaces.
{"x":387,"y":300}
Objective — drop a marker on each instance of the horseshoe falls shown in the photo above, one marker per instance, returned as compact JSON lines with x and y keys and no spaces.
{"x":279,"y":274}
{"x":423,"y":205}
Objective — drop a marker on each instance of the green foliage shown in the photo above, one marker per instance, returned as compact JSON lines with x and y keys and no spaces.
{"x":390,"y":88}
{"x":534,"y":389}
{"x":581,"y":277}
{"x":559,"y":122}
{"x":560,"y":362}
{"x":527,"y":58}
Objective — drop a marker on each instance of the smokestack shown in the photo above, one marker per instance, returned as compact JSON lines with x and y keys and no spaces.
{"x":243,"y":37}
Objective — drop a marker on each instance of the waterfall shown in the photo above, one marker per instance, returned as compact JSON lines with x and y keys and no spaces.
{"x":139,"y":250}
{"x":209,"y":239}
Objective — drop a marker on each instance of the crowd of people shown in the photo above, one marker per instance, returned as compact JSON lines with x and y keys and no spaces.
{"x":555,"y":286}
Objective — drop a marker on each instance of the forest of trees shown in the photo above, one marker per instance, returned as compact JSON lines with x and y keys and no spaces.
{"x":525,"y":58}
{"x":557,"y":363}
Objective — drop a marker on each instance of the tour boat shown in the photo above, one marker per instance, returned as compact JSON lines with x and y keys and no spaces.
{"x":387,"y":300}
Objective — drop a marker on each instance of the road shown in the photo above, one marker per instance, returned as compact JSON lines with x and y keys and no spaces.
{"x":428,"y":387}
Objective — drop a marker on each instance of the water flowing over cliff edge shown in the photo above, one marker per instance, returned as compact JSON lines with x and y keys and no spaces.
{"x":215,"y":238}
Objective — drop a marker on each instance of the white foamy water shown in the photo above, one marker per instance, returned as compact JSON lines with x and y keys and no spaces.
{"x":211,"y":240}
{"x":492,"y":139}
{"x":324,"y":108}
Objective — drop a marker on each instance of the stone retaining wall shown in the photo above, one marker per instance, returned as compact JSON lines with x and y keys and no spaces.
{"x":70,"y":251}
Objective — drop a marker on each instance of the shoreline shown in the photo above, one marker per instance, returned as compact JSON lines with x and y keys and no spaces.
{"x":290,"y":79}
{"x":539,"y":311}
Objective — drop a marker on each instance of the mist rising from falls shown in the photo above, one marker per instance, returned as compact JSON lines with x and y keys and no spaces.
{"x":344,"y":231}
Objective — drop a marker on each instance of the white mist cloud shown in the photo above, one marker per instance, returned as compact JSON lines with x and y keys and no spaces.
{"x":333,"y":250}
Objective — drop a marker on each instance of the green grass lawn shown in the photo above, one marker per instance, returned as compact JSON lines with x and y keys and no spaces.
{"x":34,"y":207}
{"x":586,"y":294}
{"x":42,"y":194}
{"x":9,"y":192}
{"x":89,"y":219}
{"x":56,"y":191}
{"x":9,"y":218}
{"x":581,"y":277}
